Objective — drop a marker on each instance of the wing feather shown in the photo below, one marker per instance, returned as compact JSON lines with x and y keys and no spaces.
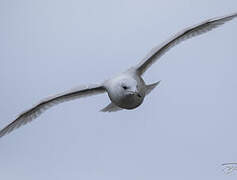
{"x":187,"y":33}
{"x":41,"y":107}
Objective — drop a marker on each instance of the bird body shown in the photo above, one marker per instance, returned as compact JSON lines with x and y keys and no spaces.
{"x":126,"y":90}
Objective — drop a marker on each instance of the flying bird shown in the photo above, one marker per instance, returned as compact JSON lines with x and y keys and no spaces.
{"x":126,"y":90}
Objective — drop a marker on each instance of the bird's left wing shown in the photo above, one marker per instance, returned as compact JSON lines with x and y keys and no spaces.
{"x":37,"y":110}
{"x":187,"y":33}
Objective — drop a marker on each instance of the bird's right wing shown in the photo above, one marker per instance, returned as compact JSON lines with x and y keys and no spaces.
{"x":187,"y":33}
{"x":37,"y":110}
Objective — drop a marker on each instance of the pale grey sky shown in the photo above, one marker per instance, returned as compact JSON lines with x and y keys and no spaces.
{"x":185,"y":129}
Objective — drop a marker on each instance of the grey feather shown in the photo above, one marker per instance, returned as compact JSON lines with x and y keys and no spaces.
{"x":150,"y":87}
{"x":38,"y":109}
{"x":111,"y":108}
{"x":187,"y":33}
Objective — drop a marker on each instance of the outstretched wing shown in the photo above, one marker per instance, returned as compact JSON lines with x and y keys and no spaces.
{"x":37,"y":110}
{"x":187,"y":33}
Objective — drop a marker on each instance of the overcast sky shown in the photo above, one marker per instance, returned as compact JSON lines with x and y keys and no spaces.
{"x":185,"y":129}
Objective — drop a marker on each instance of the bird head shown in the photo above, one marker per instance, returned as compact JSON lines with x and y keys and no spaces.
{"x":127,"y":93}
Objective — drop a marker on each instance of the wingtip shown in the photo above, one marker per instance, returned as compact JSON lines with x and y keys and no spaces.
{"x":3,"y":133}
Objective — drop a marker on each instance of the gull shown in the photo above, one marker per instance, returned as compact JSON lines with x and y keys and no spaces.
{"x":126,"y":90}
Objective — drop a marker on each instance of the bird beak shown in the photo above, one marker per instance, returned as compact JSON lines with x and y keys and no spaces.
{"x":136,"y":93}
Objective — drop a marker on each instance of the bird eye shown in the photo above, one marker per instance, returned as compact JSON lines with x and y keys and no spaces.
{"x":125,"y":87}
